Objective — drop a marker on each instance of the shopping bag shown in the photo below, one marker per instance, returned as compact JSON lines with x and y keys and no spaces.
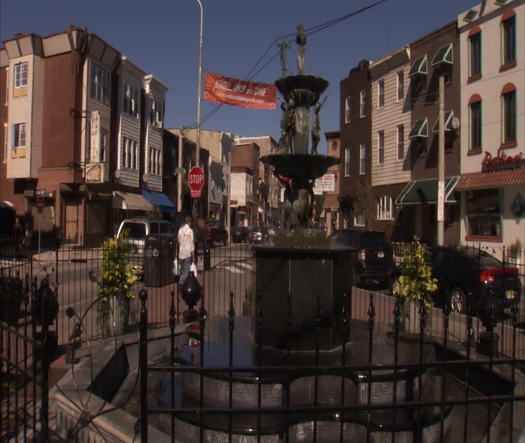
{"x":193,"y":269}
{"x":176,"y":270}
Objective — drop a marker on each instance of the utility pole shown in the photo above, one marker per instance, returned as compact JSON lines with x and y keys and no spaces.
{"x":440,"y":215}
{"x":199,"y":88}
{"x":182,"y":134}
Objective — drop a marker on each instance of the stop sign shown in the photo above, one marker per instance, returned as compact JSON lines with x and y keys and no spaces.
{"x":196,"y":179}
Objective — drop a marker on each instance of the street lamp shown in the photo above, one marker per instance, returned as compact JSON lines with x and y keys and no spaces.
{"x":199,"y":88}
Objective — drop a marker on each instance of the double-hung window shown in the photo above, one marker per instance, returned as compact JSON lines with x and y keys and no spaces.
{"x":362,"y":103}
{"x":380,"y":94}
{"x":362,"y":159}
{"x":475,"y":122}
{"x":99,"y":86}
{"x":385,"y":208}
{"x":348,"y":109}
{"x":400,"y":85}
{"x":21,"y":75}
{"x":400,"y":142}
{"x":474,"y":54}
{"x":509,"y":116}
{"x":347,"y":162}
{"x":19,"y":135}
{"x":508,"y":40}
{"x":380,"y":147}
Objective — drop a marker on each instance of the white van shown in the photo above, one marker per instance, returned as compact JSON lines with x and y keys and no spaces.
{"x":139,"y":228}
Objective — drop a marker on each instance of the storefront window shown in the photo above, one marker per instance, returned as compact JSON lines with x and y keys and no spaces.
{"x":483,"y":213}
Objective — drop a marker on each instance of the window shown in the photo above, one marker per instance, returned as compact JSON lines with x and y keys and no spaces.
{"x":154,"y":161}
{"x":508,"y":40}
{"x":362,"y":159}
{"x":21,"y":75}
{"x":347,"y":162}
{"x":156,"y":113}
{"x":348,"y":109}
{"x":131,"y":103}
{"x":508,"y":118}
{"x":99,"y":88}
{"x":400,"y":85}
{"x":380,"y":147}
{"x":474,"y":53}
{"x":475,"y":123}
{"x":129,"y":153}
{"x":380,"y":94}
{"x":400,"y":142}
{"x":385,"y":208}
{"x":19,"y":135}
{"x":483,"y":213}
{"x":104,"y":134}
{"x":360,"y":218}
{"x":362,"y":103}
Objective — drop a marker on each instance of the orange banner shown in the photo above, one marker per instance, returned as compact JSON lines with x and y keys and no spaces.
{"x":232,"y":91}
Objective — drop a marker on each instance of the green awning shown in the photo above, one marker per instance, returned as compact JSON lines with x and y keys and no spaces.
{"x":449,"y":115}
{"x":420,"y":67}
{"x":420,"y":192}
{"x":444,"y":55}
{"x":419,"y":129}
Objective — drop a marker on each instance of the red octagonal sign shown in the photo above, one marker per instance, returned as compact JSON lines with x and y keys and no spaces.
{"x":196,"y":178}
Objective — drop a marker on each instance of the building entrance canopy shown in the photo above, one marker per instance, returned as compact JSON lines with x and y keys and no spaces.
{"x":130,"y":201}
{"x":425,"y":192}
{"x":159,"y":199}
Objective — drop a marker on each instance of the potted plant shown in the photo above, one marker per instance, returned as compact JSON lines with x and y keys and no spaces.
{"x":414,"y":285}
{"x":117,"y":277}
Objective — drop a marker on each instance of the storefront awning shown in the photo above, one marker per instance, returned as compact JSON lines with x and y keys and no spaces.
{"x":130,"y":201}
{"x":420,"y":192}
{"x":160,"y":200}
{"x":492,"y":179}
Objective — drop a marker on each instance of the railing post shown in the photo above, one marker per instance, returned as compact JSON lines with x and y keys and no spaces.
{"x":143,"y":365}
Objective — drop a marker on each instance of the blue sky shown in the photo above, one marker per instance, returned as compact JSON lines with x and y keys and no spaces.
{"x":162,"y":37}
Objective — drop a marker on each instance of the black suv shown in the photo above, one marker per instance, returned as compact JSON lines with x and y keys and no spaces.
{"x":375,"y":258}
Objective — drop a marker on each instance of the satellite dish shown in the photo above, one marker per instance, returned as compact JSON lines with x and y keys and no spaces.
{"x":455,"y":123}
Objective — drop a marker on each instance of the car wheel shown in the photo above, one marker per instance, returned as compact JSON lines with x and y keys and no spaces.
{"x":457,"y":300}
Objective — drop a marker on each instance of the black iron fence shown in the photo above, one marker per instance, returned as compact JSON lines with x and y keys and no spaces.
{"x":289,"y":393}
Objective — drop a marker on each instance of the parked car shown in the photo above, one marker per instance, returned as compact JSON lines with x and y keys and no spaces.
{"x":215,"y":234}
{"x":138,"y":229}
{"x":374,"y":258}
{"x":240,"y":234}
{"x":469,"y":277}
{"x":258,"y":234}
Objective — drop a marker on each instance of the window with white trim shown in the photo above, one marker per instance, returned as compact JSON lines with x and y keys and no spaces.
{"x":400,"y":85}
{"x":99,"y":84}
{"x":104,"y":139}
{"x":20,"y":77}
{"x":380,"y":147}
{"x":154,"y":161}
{"x":400,"y":142}
{"x":474,"y":52}
{"x":19,"y":135}
{"x":347,"y":162}
{"x":380,"y":94}
{"x":360,"y":218}
{"x":348,"y":109}
{"x":385,"y":208}
{"x":362,"y":159}
{"x":362,"y":103}
{"x":131,"y":100}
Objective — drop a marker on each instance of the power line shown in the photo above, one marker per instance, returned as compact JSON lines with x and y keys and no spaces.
{"x":308,"y":31}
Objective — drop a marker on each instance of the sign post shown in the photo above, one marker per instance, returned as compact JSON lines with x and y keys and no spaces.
{"x":196,"y":181}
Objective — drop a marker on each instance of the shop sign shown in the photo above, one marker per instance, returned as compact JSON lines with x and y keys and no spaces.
{"x":326,"y":183}
{"x":242,"y":210}
{"x":95,"y":136}
{"x":501,"y":161}
{"x":96,"y":173}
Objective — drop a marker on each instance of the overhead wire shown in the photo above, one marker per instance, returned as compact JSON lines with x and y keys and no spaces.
{"x":308,"y":31}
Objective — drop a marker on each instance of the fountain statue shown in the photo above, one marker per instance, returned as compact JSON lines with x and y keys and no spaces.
{"x":299,"y":165}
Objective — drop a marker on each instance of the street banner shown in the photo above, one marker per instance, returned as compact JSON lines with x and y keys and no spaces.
{"x":232,"y":91}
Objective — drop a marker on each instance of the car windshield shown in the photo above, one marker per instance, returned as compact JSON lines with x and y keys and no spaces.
{"x":136,"y":231}
{"x":373,"y":239}
{"x":485,"y":259}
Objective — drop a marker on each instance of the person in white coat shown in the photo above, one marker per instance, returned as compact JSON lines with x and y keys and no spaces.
{"x":186,"y":249}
